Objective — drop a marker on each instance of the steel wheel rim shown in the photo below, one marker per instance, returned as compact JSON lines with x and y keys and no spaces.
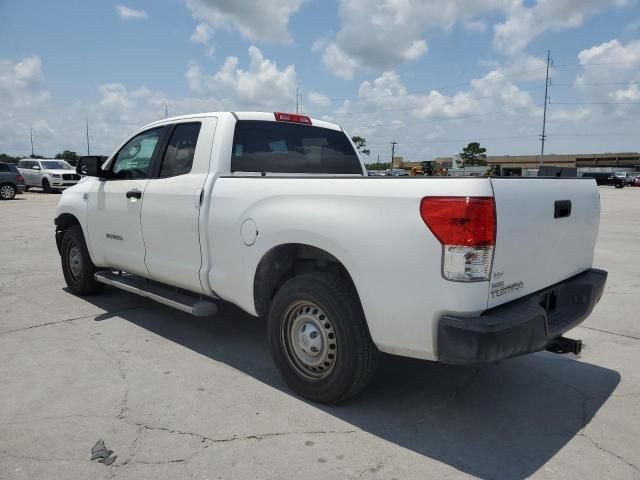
{"x":6,"y":191}
{"x":74,"y":260}
{"x":309,"y":340}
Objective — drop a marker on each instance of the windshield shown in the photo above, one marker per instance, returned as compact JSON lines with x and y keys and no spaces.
{"x":56,"y":165}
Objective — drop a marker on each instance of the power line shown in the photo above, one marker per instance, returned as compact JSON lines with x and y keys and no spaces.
{"x":438,"y":119}
{"x":596,"y":103}
{"x":596,"y":64}
{"x":426,"y":105}
{"x":445,"y":87}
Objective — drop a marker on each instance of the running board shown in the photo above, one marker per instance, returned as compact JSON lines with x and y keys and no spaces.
{"x":185,"y":302}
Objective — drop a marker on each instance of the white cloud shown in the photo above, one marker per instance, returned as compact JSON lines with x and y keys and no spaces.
{"x":476,"y":26}
{"x":523,"y":24}
{"x":317,"y":99}
{"x":203,"y":34}
{"x":23,"y":95}
{"x":127,"y":13}
{"x":339,"y":62}
{"x":629,"y":94}
{"x":263,"y":85}
{"x":381,"y":34}
{"x":256,"y":21}
{"x":194,"y":77}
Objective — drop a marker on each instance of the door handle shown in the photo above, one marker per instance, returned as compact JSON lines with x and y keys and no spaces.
{"x":134,"y":194}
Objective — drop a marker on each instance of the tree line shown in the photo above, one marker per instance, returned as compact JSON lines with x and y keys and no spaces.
{"x":67,"y":155}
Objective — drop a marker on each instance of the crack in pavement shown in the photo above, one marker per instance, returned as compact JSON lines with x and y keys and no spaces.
{"x":609,"y":332}
{"x":124,"y":409}
{"x":613,"y":454}
{"x":67,"y":320}
{"x":259,"y":436}
{"x":62,"y":417}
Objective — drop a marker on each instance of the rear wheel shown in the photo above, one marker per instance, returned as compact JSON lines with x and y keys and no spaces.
{"x":77,"y":267}
{"x":46,"y":186}
{"x":319,"y":338}
{"x":7,"y":191}
{"x":26,"y":188}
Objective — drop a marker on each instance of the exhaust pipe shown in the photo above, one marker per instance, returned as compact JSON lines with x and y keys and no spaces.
{"x":562,"y":345}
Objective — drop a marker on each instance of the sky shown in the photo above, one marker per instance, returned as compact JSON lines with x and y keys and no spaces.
{"x":432,"y":75}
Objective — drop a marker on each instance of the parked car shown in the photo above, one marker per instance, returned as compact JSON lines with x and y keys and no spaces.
{"x":275,"y":214}
{"x":11,"y":181}
{"x":622,"y":179}
{"x":636,"y":181}
{"x":48,"y":174}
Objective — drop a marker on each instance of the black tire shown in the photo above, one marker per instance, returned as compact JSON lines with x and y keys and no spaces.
{"x":46,"y":186}
{"x":26,"y":188}
{"x":354,"y":353}
{"x":77,"y":267}
{"x":7,"y":191}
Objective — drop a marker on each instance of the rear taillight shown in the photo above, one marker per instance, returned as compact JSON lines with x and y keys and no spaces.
{"x":466,"y":228}
{"x":292,"y":117}
{"x":20,"y":178}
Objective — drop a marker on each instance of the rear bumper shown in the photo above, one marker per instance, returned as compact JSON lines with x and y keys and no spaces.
{"x":21,"y":188}
{"x":523,"y":326}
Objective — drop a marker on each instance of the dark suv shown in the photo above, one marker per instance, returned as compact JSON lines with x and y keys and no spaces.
{"x":11,"y":182}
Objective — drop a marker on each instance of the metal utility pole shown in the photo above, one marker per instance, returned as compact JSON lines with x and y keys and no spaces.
{"x":87,"y":130}
{"x":31,"y":136}
{"x":297,"y":98}
{"x":393,"y":152}
{"x":166,"y":111}
{"x":543,"y":137}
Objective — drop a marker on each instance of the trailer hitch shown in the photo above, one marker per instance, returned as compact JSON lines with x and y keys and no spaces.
{"x":564,"y":345}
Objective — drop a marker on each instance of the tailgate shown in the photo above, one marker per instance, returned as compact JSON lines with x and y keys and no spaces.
{"x":546,"y":230}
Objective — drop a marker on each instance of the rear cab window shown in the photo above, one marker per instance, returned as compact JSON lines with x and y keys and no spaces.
{"x":280,"y":147}
{"x":178,"y":157}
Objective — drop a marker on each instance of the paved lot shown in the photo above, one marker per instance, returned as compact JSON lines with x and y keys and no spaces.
{"x":177,"y":397}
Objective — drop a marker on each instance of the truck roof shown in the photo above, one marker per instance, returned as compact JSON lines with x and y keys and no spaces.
{"x":264,"y":116}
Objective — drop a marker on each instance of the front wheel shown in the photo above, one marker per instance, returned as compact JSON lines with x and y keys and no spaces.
{"x":46,"y":186}
{"x":77,"y":267}
{"x":319,"y":338}
{"x":7,"y":191}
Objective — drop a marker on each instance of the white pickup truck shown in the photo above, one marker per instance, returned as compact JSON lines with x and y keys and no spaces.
{"x":274,"y":213}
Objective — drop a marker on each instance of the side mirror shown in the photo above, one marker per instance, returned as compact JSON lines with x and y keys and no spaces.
{"x":35,"y":167}
{"x":89,"y":166}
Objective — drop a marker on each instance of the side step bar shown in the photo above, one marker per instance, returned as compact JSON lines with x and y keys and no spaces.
{"x":185,"y":302}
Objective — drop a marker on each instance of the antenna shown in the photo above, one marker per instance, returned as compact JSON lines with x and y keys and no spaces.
{"x":543,"y":137}
{"x":88,"y":149}
{"x":31,"y":136}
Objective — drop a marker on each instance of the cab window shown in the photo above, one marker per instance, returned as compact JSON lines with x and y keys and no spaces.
{"x":178,"y":158}
{"x":133,"y":160}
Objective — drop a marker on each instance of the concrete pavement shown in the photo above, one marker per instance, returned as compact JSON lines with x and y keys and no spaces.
{"x":179,"y":397}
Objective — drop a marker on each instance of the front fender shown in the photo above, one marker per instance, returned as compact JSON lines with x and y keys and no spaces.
{"x":74,"y":201}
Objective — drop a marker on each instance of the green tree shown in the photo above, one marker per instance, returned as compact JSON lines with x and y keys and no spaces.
{"x":361,"y":144}
{"x":8,"y":158}
{"x":473,"y":155}
{"x":69,"y":156}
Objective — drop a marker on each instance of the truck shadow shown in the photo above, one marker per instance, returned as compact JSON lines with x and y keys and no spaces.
{"x":501,"y":421}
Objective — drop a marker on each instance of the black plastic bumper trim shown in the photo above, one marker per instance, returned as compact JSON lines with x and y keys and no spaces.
{"x":522,"y":326}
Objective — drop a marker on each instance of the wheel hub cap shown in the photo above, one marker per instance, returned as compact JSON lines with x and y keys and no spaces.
{"x":75,"y":261}
{"x":6,"y":191}
{"x":309,"y":339}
